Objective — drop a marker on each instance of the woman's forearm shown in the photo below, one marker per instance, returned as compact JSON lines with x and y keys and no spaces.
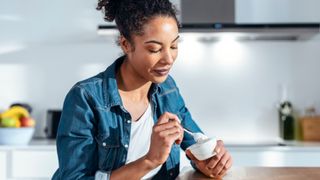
{"x":134,"y":170}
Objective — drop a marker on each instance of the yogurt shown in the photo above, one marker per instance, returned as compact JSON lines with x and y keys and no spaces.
{"x":204,"y":148}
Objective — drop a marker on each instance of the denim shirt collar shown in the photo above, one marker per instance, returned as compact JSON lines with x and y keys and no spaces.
{"x":112,"y":96}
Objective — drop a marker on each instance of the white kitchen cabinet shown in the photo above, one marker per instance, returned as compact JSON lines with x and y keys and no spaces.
{"x":3,"y":160}
{"x":32,"y":162}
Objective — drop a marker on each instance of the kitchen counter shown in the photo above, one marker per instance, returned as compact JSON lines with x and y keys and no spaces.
{"x":274,"y":143}
{"x":39,"y":143}
{"x":284,"y":146}
{"x":261,"y":173}
{"x":286,"y":154}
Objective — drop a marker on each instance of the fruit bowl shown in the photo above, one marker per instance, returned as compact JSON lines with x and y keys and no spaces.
{"x":16,"y":136}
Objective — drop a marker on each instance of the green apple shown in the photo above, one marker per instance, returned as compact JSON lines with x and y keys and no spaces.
{"x":9,"y":122}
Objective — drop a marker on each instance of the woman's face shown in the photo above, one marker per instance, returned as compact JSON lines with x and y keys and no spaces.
{"x":155,"y":51}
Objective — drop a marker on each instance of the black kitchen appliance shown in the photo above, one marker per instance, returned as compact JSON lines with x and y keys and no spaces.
{"x":53,"y":118}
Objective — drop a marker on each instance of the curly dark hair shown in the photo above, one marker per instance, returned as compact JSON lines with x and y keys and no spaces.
{"x":131,"y":15}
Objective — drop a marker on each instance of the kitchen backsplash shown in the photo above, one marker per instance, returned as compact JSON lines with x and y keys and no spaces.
{"x":231,"y":88}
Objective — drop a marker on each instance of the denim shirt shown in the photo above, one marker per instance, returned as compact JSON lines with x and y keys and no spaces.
{"x":94,"y":130}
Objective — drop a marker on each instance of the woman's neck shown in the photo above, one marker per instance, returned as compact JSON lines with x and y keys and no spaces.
{"x":131,"y":83}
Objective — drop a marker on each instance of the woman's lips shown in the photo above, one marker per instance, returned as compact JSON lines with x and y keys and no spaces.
{"x":161,"y":72}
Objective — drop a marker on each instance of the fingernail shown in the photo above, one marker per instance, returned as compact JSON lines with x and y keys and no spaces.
{"x":211,"y":175}
{"x":218,"y":150}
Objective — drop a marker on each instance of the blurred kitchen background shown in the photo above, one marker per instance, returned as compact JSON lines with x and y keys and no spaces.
{"x":232,"y":86}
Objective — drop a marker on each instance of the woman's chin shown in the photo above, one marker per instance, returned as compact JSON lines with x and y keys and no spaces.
{"x":158,"y":80}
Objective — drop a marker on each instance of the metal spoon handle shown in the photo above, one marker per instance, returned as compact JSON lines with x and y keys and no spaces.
{"x":189,"y":132}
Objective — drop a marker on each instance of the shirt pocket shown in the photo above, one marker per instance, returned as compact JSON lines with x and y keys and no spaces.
{"x":108,"y":147}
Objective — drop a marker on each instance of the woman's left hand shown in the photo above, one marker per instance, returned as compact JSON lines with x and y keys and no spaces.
{"x":216,"y":166}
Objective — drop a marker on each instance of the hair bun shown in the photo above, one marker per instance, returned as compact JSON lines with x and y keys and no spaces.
{"x":110,"y":8}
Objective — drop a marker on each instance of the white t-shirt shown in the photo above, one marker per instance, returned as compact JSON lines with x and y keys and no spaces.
{"x":140,"y":138}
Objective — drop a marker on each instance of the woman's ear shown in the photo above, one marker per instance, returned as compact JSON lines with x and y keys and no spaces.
{"x":125,"y":45}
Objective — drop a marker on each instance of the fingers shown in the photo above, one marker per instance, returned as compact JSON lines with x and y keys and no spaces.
{"x":167,"y":125}
{"x":226,"y":168}
{"x":169,"y":139}
{"x":221,"y":164}
{"x":191,"y":156}
{"x":220,"y":151}
{"x":199,"y":164}
{"x":174,"y":136}
{"x":165,"y":117}
{"x":218,"y":165}
{"x":180,"y":139}
{"x":170,"y":131}
{"x":219,"y":146}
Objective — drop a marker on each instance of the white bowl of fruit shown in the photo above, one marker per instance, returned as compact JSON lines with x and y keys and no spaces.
{"x":16,"y":126}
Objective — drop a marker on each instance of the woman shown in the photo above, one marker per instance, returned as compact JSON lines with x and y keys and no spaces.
{"x":126,"y":122}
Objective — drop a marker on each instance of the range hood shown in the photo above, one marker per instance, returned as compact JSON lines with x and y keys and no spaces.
{"x":216,"y":18}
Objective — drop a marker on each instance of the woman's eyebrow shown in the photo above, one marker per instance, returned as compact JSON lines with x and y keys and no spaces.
{"x":160,"y":43}
{"x":175,"y":39}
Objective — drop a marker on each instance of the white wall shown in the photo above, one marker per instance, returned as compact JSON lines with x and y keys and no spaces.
{"x":43,"y":75}
{"x":232,"y":89}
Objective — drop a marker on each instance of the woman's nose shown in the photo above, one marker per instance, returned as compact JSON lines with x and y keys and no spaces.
{"x":168,"y":57}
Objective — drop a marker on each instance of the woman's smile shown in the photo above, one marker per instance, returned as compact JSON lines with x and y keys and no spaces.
{"x":161,"y":71}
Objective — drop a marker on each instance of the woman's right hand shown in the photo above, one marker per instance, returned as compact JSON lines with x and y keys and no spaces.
{"x":166,"y":132}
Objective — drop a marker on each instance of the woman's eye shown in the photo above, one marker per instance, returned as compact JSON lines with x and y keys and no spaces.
{"x":174,"y":47}
{"x":154,"y":51}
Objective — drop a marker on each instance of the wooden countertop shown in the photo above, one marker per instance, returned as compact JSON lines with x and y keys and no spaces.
{"x":259,"y":173}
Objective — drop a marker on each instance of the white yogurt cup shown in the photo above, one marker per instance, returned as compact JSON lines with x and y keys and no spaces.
{"x":203,"y":149}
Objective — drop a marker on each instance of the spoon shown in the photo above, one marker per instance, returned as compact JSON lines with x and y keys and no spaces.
{"x":198,"y":137}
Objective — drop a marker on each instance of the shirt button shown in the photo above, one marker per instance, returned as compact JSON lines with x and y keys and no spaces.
{"x":128,"y":121}
{"x":171,"y":174}
{"x":126,"y":146}
{"x":104,"y":144}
